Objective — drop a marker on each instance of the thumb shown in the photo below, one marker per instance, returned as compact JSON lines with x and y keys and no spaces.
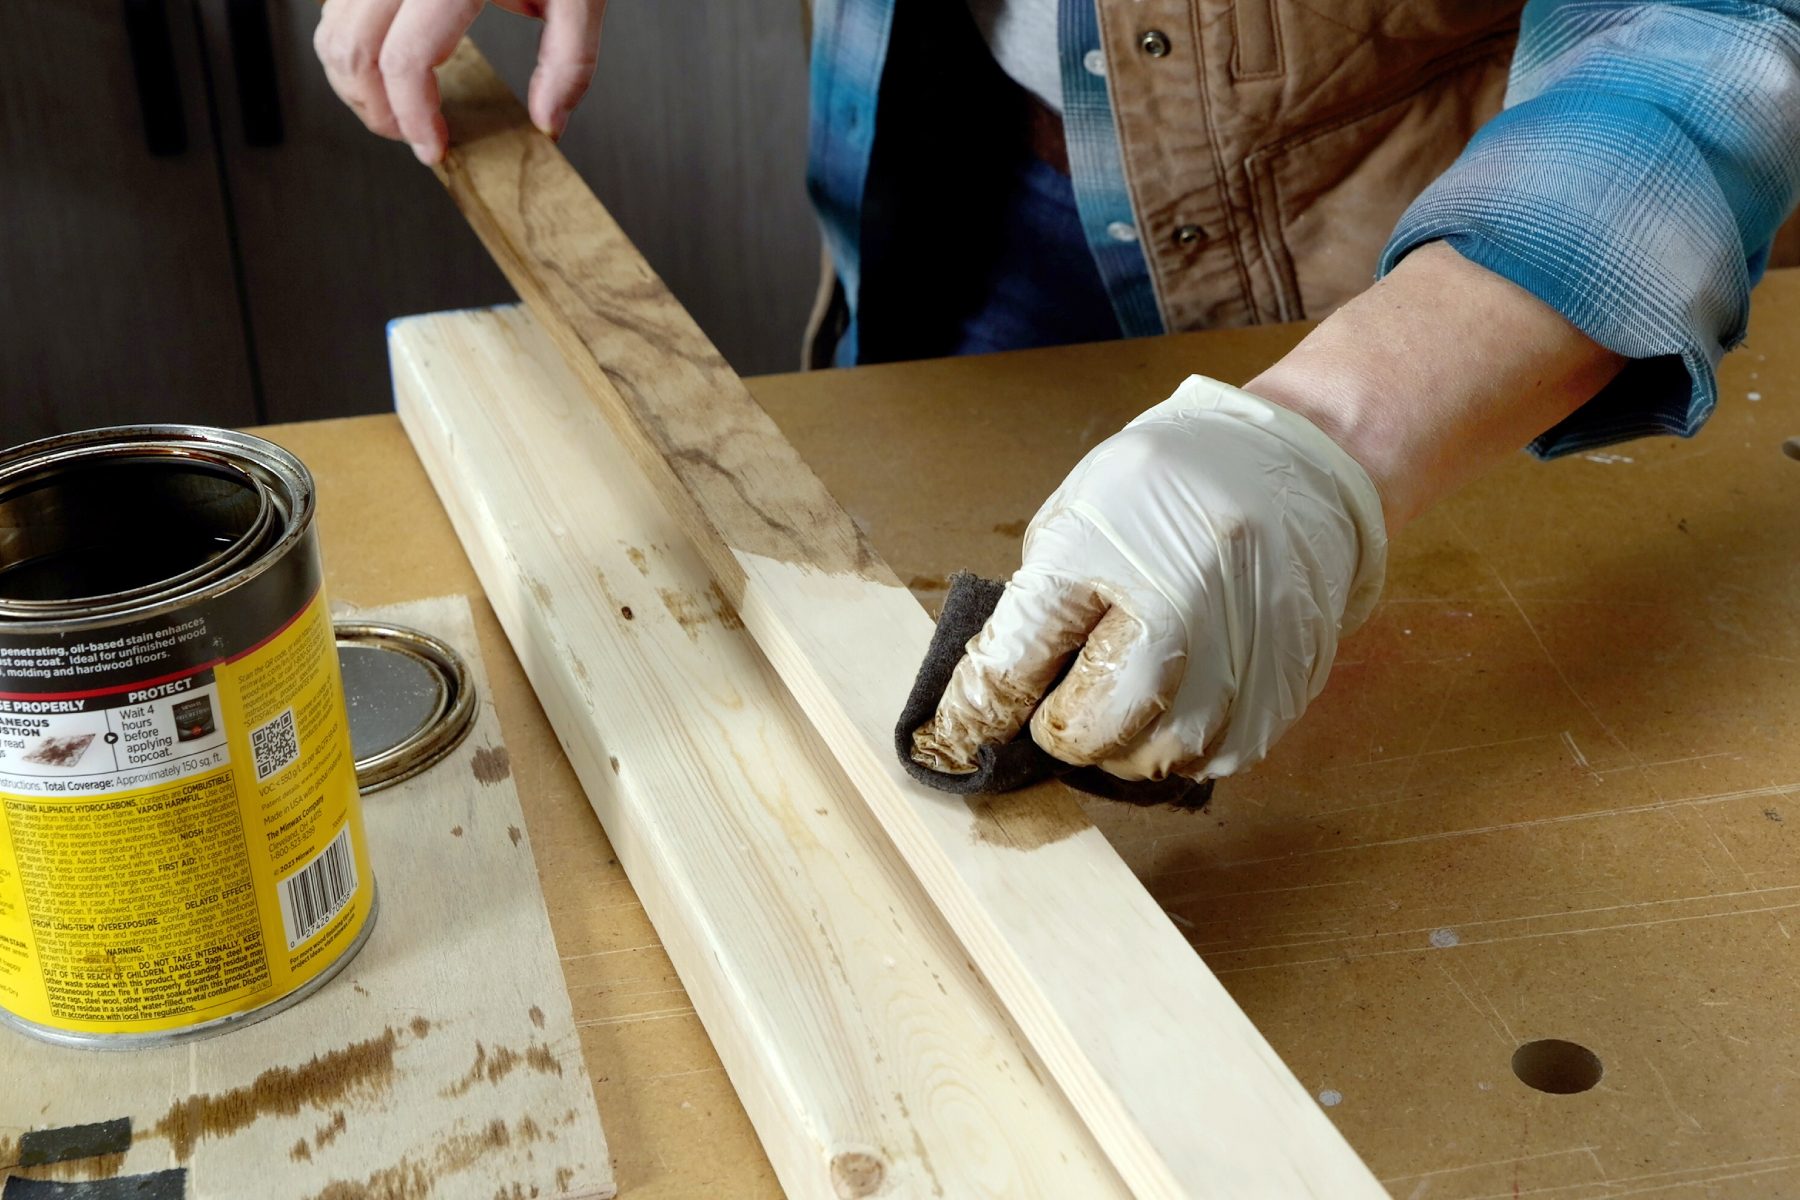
{"x":1041,"y":619}
{"x":567,"y":55}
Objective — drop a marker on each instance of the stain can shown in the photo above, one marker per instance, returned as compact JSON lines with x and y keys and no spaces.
{"x":181,"y":837}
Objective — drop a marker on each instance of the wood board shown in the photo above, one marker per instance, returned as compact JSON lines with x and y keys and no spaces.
{"x":1126,"y":1018}
{"x":869,"y":1054}
{"x":441,"y":1061}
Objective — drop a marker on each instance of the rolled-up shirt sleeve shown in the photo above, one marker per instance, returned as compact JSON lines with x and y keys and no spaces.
{"x":1646,"y":156}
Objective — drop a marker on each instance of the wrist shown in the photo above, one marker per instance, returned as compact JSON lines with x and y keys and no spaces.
{"x":1434,"y":374}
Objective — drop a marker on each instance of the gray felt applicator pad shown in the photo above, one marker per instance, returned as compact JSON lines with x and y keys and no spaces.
{"x":1020,"y":762}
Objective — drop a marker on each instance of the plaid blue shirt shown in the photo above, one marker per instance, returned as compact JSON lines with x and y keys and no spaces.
{"x":1645,"y":158}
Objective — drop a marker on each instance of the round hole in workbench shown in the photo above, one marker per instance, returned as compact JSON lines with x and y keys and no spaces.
{"x":1791,"y":447}
{"x":1558,"y":1067}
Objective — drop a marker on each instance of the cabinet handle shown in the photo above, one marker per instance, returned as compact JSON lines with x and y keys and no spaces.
{"x":158,"y":88}
{"x":253,"y":60}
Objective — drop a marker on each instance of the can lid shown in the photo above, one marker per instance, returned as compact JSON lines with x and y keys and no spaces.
{"x":410,"y":697}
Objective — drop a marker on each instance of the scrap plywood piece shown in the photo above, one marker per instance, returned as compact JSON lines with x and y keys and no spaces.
{"x":1181,"y":1091}
{"x":441,"y":1062}
{"x":869,"y":1054}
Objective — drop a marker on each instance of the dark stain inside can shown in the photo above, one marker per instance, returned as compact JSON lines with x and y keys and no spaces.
{"x":120,"y":526}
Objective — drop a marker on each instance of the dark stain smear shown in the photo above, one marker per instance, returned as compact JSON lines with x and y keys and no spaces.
{"x":491,"y":764}
{"x":625,"y":611}
{"x":420,"y":1026}
{"x":925,"y":583}
{"x":412,"y":1179}
{"x":358,"y":988}
{"x":1013,"y":528}
{"x":512,"y":831}
{"x":539,"y":591}
{"x":638,"y":560}
{"x":366,"y":1066}
{"x":723,"y":609}
{"x":537,"y":1016}
{"x":301,"y":1152}
{"x":564,"y":1177}
{"x":456,"y":831}
{"x":499,"y":1063}
{"x":612,"y":760}
{"x":689,"y":615}
{"x":324,"y":1135}
{"x":1027,"y":820}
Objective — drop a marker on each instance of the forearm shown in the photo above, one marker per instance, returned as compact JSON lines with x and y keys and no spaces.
{"x":1436,"y":373}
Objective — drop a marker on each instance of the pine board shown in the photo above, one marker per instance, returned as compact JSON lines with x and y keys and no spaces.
{"x":1126,"y":1018}
{"x":441,"y":1062}
{"x":869,"y":1054}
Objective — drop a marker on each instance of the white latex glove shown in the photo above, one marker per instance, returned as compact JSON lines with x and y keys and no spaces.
{"x":1203,"y":561}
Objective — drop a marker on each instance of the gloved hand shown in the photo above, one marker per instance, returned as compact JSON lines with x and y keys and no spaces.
{"x":1203,"y":561}
{"x":380,"y":56}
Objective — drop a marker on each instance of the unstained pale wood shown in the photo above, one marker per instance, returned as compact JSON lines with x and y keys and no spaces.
{"x":869,"y":1054}
{"x":442,"y":1061}
{"x":1127,"y":1019}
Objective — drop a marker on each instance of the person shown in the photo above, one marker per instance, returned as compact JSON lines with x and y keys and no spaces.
{"x":1562,"y":211}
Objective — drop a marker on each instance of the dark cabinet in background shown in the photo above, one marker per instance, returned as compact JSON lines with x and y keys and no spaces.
{"x":249,"y":274}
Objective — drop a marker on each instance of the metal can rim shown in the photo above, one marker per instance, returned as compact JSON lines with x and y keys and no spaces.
{"x":280,"y":476}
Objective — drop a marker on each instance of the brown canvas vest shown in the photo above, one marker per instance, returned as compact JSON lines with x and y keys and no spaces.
{"x":1271,"y":146}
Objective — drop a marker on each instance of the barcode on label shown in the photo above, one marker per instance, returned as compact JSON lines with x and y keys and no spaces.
{"x":317,"y":892}
{"x":274,"y":745}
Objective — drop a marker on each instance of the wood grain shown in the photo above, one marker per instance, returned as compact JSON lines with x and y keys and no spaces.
{"x":1127,"y":1019}
{"x":443,"y":1060}
{"x":868,"y":1052}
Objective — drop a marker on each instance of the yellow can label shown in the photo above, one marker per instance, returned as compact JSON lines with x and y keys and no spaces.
{"x":185,"y":847}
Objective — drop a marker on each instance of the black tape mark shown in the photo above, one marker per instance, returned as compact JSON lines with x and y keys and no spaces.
{"x":42,"y":1146}
{"x":158,"y":1185}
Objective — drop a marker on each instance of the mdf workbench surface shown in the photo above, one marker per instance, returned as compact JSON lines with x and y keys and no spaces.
{"x":1553,"y":790}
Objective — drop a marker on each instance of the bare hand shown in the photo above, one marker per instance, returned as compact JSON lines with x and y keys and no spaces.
{"x":381,"y":57}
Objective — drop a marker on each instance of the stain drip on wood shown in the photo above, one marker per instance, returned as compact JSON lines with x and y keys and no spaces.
{"x":417,"y":1179}
{"x":365,"y":1067}
{"x":1026,"y":820}
{"x":495,"y":1066}
{"x":324,"y":1135}
{"x":491,"y":765}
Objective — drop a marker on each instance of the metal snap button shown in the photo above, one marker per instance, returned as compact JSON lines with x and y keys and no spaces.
{"x":1155,"y":43}
{"x":1189,"y":235}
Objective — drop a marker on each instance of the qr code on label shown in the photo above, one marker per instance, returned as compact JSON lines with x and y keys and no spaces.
{"x":274,"y":745}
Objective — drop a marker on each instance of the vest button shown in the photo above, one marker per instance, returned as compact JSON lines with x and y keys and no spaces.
{"x":1189,"y":235}
{"x":1155,"y":43}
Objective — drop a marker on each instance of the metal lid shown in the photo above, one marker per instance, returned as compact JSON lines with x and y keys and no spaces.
{"x":410,"y":698}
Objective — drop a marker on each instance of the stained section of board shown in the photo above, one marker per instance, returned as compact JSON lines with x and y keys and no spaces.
{"x":441,"y":1062}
